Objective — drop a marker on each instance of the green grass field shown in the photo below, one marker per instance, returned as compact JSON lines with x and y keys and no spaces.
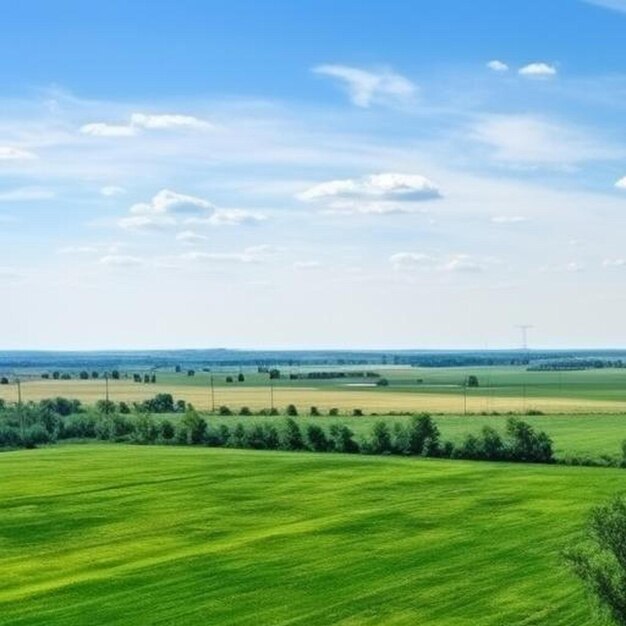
{"x":94,"y":534}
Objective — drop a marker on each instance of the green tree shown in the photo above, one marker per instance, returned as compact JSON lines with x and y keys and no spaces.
{"x":599,"y":560}
{"x":193,"y":427}
{"x":380,"y":440}
{"x":316,"y":438}
{"x":291,"y":437}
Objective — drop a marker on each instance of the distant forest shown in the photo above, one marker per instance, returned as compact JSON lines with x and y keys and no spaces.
{"x":154,"y":359}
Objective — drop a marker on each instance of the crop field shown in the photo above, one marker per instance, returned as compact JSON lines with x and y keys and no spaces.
{"x":210,"y":536}
{"x":438,"y":390}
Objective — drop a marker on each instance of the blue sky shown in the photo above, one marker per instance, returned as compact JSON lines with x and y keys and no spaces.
{"x":312,"y":174}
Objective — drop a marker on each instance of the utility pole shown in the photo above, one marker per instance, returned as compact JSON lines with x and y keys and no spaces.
{"x":465,"y":396}
{"x":106,"y":393}
{"x":18,"y":382}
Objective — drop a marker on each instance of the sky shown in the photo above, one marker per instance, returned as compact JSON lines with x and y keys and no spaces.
{"x":312,"y":174}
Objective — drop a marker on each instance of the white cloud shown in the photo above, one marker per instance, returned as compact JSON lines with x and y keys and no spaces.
{"x":26,"y":194}
{"x":167,"y":121}
{"x":615,"y":5}
{"x":621,"y":183}
{"x":147,"y":222}
{"x":100,"y":129}
{"x":532,"y":139}
{"x":371,"y":87}
{"x":119,"y":260}
{"x":614,"y":262}
{"x":462,"y":263}
{"x":78,"y":250}
{"x":9,"y":274}
{"x":538,"y":70}
{"x":498,"y":66}
{"x":307,"y":265}
{"x":112,"y":190}
{"x":377,"y":187}
{"x":172,"y":203}
{"x":508,"y":219}
{"x":253,"y":254}
{"x":411,"y":260}
{"x":190,"y":237}
{"x":143,"y":121}
{"x":235,"y":217}
{"x":10,"y":153}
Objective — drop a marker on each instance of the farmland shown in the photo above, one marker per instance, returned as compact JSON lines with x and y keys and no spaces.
{"x":438,"y":390}
{"x":197,"y":535}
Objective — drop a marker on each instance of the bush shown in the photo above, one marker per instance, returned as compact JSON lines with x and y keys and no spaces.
{"x":526,"y":444}
{"x":357,"y":413}
{"x":245,"y":411}
{"x":316,"y":438}
{"x":380,"y":440}
{"x":342,"y":439}
{"x":192,"y":428}
{"x":382,"y":382}
{"x":292,"y":410}
{"x":290,"y":436}
{"x":420,"y":429}
{"x":333,"y":412}
{"x":224,"y":410}
{"x":314,"y":411}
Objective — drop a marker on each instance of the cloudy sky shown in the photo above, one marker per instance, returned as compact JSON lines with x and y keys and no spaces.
{"x":314,"y":174}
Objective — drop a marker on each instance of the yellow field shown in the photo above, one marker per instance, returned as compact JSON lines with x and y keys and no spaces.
{"x":369,"y":401}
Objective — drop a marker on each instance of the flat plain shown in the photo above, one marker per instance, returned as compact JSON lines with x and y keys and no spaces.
{"x":438,"y":390}
{"x":134,"y":535}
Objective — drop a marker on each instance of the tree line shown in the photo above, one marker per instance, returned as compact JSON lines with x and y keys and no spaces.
{"x":57,"y":419}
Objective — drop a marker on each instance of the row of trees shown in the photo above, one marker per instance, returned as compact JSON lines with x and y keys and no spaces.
{"x":60,"y":418}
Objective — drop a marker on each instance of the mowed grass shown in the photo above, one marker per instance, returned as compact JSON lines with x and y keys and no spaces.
{"x":440,"y":398}
{"x":113,"y":534}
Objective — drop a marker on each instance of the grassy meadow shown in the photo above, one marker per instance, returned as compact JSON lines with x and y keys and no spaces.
{"x":135,"y":535}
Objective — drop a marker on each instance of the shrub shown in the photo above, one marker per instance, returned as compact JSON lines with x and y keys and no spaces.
{"x":224,"y":410}
{"x":526,"y":444}
{"x":333,"y":412}
{"x":290,"y":436}
{"x":316,"y":438}
{"x":192,"y":428}
{"x":272,"y":437}
{"x":380,"y":440}
{"x":166,"y":431}
{"x":245,"y":411}
{"x":314,"y":411}
{"x":420,"y":428}
{"x":292,"y":410}
{"x":342,"y":439}
{"x":357,"y":413}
